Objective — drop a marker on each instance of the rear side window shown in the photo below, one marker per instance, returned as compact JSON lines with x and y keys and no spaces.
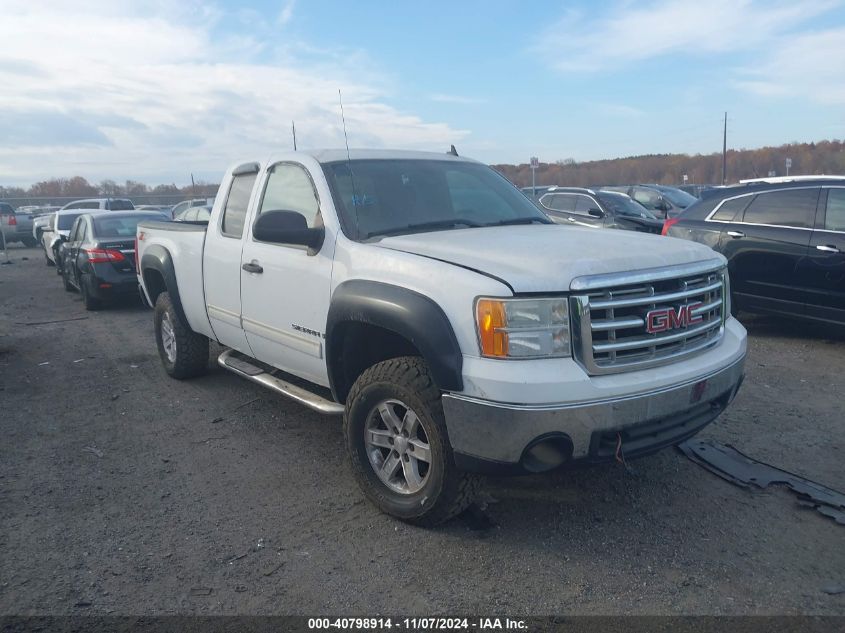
{"x":731,"y":209}
{"x":834,"y":219}
{"x":792,"y":207}
{"x":234,"y":213}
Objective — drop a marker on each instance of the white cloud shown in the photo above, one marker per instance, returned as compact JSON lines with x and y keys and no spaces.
{"x":634,"y":31}
{"x":810,"y":66}
{"x":286,"y":14}
{"x":172,"y":91}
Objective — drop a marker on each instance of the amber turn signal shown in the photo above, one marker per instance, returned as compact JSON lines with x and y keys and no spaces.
{"x":490,"y":315}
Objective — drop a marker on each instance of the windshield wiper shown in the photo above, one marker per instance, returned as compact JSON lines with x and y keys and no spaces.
{"x":426,"y":226}
{"x":519,"y":221}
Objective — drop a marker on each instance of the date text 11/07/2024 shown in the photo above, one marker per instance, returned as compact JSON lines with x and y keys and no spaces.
{"x":418,"y":624}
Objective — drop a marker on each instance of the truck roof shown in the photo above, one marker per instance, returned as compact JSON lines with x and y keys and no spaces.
{"x":334,"y":155}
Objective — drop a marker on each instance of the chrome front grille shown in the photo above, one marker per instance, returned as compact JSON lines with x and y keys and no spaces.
{"x":647,"y":318}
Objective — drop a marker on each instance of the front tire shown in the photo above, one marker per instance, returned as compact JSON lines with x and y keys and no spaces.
{"x":399,"y":447}
{"x":183,"y":352}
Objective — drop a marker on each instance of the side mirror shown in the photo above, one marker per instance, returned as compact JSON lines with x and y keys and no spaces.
{"x":596,"y":213}
{"x":287,"y":227}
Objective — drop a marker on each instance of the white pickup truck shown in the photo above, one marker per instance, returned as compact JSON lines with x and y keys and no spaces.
{"x":456,"y":329}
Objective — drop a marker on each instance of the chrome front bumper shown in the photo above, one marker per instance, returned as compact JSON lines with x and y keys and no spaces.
{"x":493,"y":437}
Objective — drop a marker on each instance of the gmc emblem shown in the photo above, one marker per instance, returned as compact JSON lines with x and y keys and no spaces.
{"x":664,"y":319}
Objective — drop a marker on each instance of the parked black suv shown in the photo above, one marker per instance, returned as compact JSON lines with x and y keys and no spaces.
{"x":785,"y":245}
{"x":598,"y":209}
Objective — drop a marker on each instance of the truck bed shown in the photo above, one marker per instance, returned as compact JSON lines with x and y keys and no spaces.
{"x":179,"y":246}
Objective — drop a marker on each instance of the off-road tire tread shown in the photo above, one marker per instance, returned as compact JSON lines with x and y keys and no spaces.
{"x":191,"y":348}
{"x":460,"y":489}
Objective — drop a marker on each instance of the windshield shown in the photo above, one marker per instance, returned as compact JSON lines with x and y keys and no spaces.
{"x":124,"y":226}
{"x":677,"y":197}
{"x":65,"y":221}
{"x":392,"y":197}
{"x":624,"y":205}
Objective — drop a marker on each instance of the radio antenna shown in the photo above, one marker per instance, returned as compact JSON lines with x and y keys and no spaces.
{"x":355,"y":200}
{"x":293,"y":131}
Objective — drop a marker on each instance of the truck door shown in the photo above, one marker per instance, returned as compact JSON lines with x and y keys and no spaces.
{"x":221,"y":258}
{"x":286,"y":289}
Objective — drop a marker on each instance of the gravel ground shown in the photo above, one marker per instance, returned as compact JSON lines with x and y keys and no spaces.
{"x":125,"y":492}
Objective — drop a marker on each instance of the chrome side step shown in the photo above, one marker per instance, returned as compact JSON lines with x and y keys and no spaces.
{"x":304,"y":397}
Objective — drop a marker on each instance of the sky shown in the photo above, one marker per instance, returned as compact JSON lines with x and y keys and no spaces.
{"x":155,"y":91}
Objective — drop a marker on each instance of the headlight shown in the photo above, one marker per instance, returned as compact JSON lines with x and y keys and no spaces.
{"x":523,"y":328}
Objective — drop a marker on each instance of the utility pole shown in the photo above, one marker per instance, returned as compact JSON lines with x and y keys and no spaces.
{"x":293,"y":131}
{"x":725,"y":152}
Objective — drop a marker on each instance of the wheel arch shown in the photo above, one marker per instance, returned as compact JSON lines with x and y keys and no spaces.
{"x":159,"y":275}
{"x":370,"y":321}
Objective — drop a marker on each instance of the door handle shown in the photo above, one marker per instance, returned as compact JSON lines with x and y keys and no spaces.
{"x":827,"y":249}
{"x":571,"y":219}
{"x":736,"y":234}
{"x":253,"y":267}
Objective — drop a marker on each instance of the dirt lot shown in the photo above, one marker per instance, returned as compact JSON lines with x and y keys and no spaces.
{"x":123,"y":491}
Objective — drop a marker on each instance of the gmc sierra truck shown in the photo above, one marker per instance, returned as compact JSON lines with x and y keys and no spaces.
{"x":456,"y":329}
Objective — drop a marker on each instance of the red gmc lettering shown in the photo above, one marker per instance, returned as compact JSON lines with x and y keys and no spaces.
{"x":665,"y":319}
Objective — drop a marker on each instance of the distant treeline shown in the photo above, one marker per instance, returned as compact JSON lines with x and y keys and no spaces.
{"x":823,"y":157}
{"x":79,"y":187}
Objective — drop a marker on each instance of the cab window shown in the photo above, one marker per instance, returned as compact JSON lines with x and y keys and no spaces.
{"x":289,"y":188}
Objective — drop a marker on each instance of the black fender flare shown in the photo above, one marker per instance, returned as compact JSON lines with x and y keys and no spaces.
{"x":158,"y":258}
{"x":407,"y":313}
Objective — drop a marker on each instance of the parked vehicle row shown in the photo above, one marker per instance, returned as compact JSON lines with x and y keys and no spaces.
{"x":453,"y":325}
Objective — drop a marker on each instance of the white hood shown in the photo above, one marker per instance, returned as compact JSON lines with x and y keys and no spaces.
{"x":546,"y":258}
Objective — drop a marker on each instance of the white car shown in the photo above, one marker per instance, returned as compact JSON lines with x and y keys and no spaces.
{"x":452,"y":324}
{"x":58,"y":229}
